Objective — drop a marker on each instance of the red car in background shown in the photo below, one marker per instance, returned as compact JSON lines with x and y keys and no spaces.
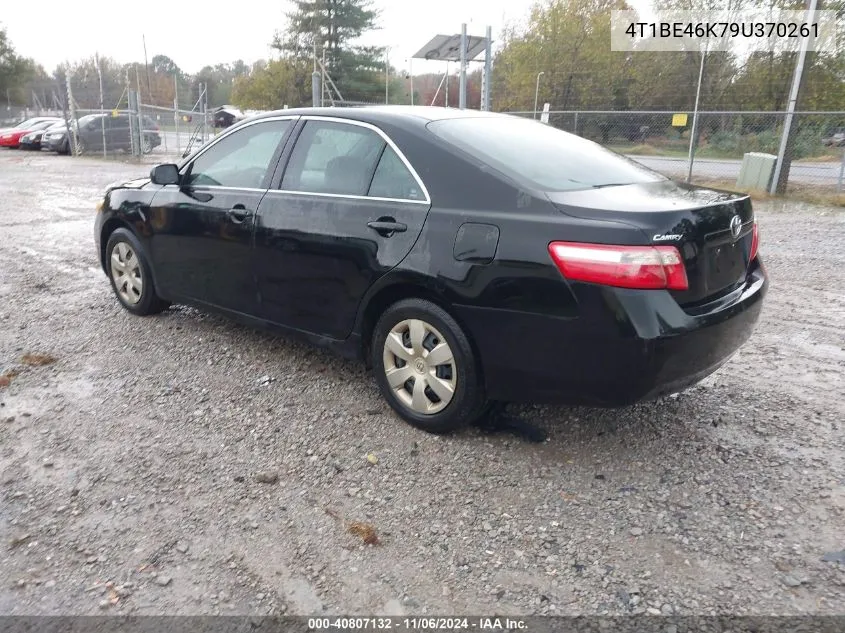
{"x":11,"y":137}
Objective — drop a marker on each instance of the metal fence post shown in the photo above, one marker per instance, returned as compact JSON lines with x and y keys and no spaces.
{"x":176,"y":111}
{"x":462,"y":85}
{"x":841,"y":173}
{"x":134,"y":132}
{"x":316,"y":80}
{"x":72,"y":128}
{"x":102,"y":105}
{"x":694,"y":131}
{"x":204,"y":110}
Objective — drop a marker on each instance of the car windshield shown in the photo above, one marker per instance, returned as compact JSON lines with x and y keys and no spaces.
{"x":88,"y":119}
{"x":548,"y":158}
{"x":27,"y":125}
{"x":43,"y":125}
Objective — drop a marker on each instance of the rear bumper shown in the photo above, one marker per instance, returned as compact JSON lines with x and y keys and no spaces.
{"x":625,"y":346}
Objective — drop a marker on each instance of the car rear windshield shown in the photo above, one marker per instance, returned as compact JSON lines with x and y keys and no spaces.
{"x":548,"y":158}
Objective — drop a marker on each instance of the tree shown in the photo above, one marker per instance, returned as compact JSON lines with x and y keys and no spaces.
{"x":568,"y":41}
{"x":164,"y":65}
{"x":85,"y":82}
{"x":16,"y":72}
{"x":218,"y":80}
{"x":271,"y":85}
{"x":329,"y":28}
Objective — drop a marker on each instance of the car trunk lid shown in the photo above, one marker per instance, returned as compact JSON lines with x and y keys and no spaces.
{"x":712,"y":229}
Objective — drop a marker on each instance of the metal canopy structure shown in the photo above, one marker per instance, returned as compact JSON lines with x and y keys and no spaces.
{"x":447,"y":48}
{"x":461,"y":48}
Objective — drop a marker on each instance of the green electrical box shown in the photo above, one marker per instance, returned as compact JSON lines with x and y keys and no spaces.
{"x":756,"y":171}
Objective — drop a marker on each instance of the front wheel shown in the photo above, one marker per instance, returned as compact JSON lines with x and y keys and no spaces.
{"x":426,"y":368}
{"x":130,"y":276}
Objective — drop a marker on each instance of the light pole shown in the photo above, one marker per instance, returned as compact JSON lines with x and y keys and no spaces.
{"x":537,"y":91}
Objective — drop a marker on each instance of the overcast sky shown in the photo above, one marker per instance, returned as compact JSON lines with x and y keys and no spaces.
{"x":196,"y":34}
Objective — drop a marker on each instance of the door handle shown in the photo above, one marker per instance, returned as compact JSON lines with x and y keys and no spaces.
{"x":387,"y":226}
{"x":238,"y":213}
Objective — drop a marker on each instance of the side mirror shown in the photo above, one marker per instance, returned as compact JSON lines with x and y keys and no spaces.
{"x":167,"y":174}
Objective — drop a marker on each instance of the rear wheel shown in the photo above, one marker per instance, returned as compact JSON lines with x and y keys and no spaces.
{"x":425,"y":367}
{"x":146,"y":144}
{"x":129,"y":272}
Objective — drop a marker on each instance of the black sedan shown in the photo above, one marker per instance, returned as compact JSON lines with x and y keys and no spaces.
{"x":467,"y":257}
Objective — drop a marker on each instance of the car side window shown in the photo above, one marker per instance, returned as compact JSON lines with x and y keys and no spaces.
{"x":393,"y":180}
{"x":241,"y":159}
{"x":331,"y":157}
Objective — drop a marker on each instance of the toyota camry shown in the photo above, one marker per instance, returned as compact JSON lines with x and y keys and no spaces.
{"x":466,"y":257}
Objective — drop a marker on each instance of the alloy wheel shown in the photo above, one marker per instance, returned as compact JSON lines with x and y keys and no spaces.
{"x":126,"y":273}
{"x":419,"y":366}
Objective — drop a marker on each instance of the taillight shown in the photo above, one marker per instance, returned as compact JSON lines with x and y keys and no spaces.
{"x":646,"y":267}
{"x":755,"y":242}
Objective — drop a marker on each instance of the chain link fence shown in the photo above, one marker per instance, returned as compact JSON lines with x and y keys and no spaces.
{"x":170,"y":126}
{"x":661,"y":140}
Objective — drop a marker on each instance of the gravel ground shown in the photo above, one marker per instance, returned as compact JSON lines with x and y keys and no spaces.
{"x":184,"y":464}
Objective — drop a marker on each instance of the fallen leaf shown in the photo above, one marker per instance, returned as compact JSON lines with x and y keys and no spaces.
{"x":38,"y":359}
{"x":371,"y":457}
{"x":19,"y":540}
{"x":366,"y":531}
{"x":5,"y":381}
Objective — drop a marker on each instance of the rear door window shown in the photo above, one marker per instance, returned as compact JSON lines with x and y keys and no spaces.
{"x":335,"y":158}
{"x":393,"y":180}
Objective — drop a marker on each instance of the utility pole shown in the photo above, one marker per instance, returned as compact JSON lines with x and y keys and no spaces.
{"x":386,"y":74}
{"x":787,"y":140}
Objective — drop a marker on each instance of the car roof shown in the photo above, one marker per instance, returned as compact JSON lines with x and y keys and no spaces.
{"x":385,"y":113}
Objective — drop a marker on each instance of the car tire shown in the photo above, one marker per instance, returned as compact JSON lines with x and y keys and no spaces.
{"x":146,"y":144}
{"x":129,"y":273}
{"x":438,"y":398}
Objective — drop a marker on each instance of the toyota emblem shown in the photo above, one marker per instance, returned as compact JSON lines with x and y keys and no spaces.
{"x":736,"y":226}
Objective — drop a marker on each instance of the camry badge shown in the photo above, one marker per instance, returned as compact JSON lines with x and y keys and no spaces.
{"x":736,"y":226}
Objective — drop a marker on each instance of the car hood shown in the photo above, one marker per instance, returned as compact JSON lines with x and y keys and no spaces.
{"x":137,"y":183}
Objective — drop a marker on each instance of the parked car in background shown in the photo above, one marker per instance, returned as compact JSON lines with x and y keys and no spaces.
{"x":32,"y":140}
{"x":227,"y":115}
{"x":116,"y":129}
{"x":11,"y":137}
{"x":837,"y":139}
{"x":466,"y":256}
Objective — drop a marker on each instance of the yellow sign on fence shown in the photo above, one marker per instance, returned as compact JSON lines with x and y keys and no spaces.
{"x":679,"y":120}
